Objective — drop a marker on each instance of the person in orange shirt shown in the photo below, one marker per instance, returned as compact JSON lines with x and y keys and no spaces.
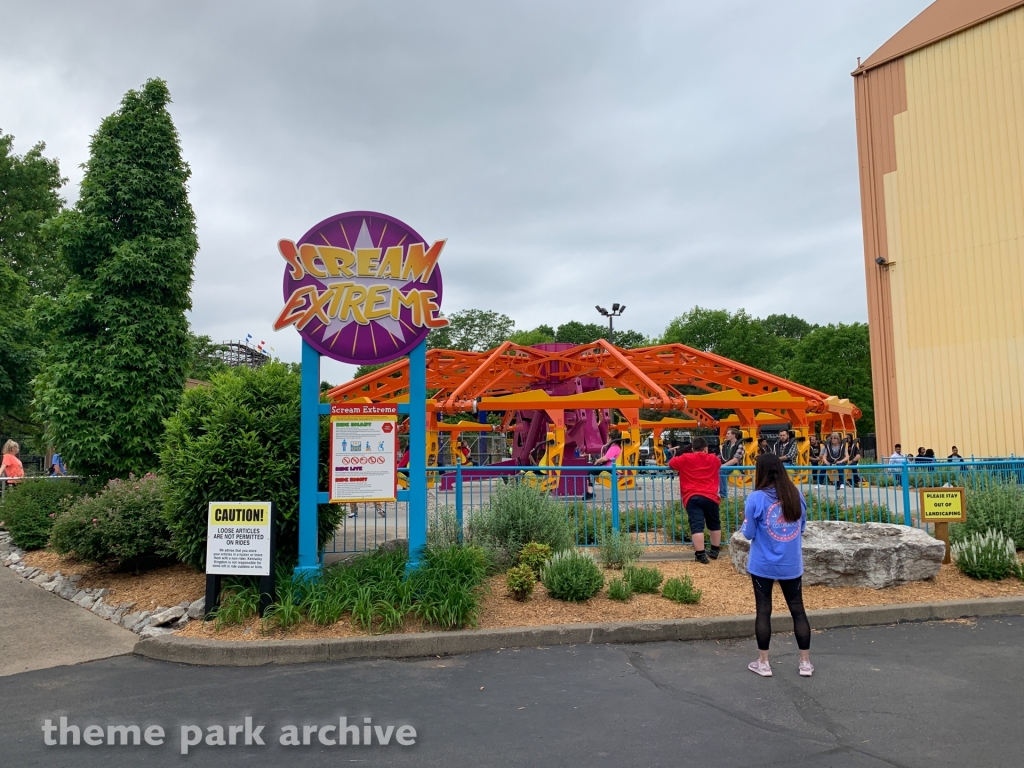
{"x":11,"y":465}
{"x":698,"y":484}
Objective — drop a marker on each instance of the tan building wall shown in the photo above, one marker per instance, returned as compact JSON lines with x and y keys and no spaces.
{"x":941,"y":139}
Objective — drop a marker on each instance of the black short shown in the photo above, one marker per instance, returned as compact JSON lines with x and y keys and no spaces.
{"x":703,"y":513}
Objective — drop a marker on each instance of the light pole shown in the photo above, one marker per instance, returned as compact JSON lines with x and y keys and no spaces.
{"x":617,"y":310}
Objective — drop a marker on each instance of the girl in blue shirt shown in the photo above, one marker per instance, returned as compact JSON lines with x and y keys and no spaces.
{"x":774,"y":520}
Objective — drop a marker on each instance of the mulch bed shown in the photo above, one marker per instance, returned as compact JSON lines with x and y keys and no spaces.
{"x":724,"y":593}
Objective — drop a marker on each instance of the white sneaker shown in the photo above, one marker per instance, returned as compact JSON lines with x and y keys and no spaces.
{"x":762,"y":668}
{"x":806,"y":669}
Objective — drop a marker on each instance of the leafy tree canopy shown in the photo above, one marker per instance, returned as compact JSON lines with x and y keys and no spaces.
{"x":119,"y":343}
{"x":29,"y":195}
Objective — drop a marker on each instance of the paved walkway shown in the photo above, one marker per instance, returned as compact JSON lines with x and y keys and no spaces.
{"x":39,"y":629}
{"x":911,"y":696}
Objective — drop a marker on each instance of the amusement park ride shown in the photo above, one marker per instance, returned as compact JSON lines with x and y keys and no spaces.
{"x":567,"y":397}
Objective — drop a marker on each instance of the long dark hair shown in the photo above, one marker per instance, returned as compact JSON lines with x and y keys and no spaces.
{"x":771,"y":473}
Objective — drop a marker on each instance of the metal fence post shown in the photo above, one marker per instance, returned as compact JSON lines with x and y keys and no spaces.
{"x":458,"y":496}
{"x":615,"y":498}
{"x":905,"y":474}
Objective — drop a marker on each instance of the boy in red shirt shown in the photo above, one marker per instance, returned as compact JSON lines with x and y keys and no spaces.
{"x":698,"y":484}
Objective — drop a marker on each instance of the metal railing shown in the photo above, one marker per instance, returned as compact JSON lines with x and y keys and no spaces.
{"x":646,"y":501}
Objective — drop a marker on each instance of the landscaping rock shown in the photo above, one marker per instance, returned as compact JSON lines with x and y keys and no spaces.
{"x":75,"y":578}
{"x":41,"y":578}
{"x":51,"y":586}
{"x":182,"y":621}
{"x":28,"y":573}
{"x":103,"y":610}
{"x":67,"y":590}
{"x":167,"y":616}
{"x":197,"y":608}
{"x":83,"y":599}
{"x":154,"y":631}
{"x":876,"y":555}
{"x":133,"y":619}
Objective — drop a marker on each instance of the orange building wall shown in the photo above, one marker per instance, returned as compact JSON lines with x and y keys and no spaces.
{"x":941,"y":137}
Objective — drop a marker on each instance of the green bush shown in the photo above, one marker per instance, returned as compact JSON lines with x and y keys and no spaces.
{"x":519,"y":581}
{"x":519,"y":514}
{"x":822,"y":507}
{"x":238,"y":440}
{"x":989,"y":555}
{"x":535,"y":555}
{"x":643,"y":580}
{"x":618,"y":550}
{"x":642,"y":520}
{"x":998,"y":506}
{"x":572,"y":575}
{"x":442,"y":527}
{"x":30,"y":508}
{"x":123,"y":524}
{"x":619,"y":590}
{"x":681,"y":590}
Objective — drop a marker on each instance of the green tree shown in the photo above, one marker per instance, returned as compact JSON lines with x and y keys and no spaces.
{"x":29,"y":195}
{"x":472,"y":330}
{"x":119,"y":344}
{"x":542,"y":334}
{"x":575,"y":332}
{"x":738,"y":336}
{"x":631,"y":339}
{"x":836,"y":359}
{"x":203,"y":362}
{"x":787,"y":326}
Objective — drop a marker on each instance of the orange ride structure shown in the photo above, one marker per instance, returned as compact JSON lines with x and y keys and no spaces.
{"x":566,"y":397}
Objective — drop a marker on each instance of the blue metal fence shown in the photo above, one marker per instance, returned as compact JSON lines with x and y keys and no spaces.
{"x":646,"y":502}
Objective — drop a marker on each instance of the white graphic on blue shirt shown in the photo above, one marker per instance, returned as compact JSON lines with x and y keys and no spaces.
{"x":778,"y":527}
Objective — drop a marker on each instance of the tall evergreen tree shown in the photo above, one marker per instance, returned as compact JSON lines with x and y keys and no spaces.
{"x":119,"y":343}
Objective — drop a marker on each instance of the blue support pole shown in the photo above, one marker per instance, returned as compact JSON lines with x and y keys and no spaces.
{"x":309,"y":444}
{"x":417,"y":452}
{"x":615,"y":498}
{"x":458,"y":497}
{"x":905,"y":476}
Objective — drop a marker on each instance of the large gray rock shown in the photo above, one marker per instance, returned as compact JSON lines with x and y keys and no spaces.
{"x":874,"y":555}
{"x":167,"y":616}
{"x":197,"y":609}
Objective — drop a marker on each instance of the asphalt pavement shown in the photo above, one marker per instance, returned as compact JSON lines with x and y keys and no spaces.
{"x":936,"y":694}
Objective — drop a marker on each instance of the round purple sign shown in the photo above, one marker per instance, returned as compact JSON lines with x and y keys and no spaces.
{"x":362,"y":287}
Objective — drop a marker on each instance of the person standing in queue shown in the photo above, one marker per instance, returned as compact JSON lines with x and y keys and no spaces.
{"x":698,"y":485}
{"x":11,"y":466}
{"x":774,"y":520}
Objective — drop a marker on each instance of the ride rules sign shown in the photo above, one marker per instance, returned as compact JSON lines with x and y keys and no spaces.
{"x":238,"y":538}
{"x":363,"y":441}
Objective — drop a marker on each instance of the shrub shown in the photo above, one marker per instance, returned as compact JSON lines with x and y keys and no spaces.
{"x":643,"y":580}
{"x":619,"y":590}
{"x":681,"y":590}
{"x":989,"y":555}
{"x":535,"y":555}
{"x":238,"y":440}
{"x":442,"y":527}
{"x":642,"y":520}
{"x":123,"y":524}
{"x":520,"y":581}
{"x":572,"y":575}
{"x":998,"y":506}
{"x":618,"y":550}
{"x":519,"y":514}
{"x":30,"y":508}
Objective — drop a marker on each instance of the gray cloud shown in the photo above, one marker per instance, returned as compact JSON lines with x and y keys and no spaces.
{"x":659,"y":154}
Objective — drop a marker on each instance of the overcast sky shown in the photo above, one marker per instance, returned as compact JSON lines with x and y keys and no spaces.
{"x":657,"y":154}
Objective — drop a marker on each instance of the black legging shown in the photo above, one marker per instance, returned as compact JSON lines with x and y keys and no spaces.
{"x":792,"y":590}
